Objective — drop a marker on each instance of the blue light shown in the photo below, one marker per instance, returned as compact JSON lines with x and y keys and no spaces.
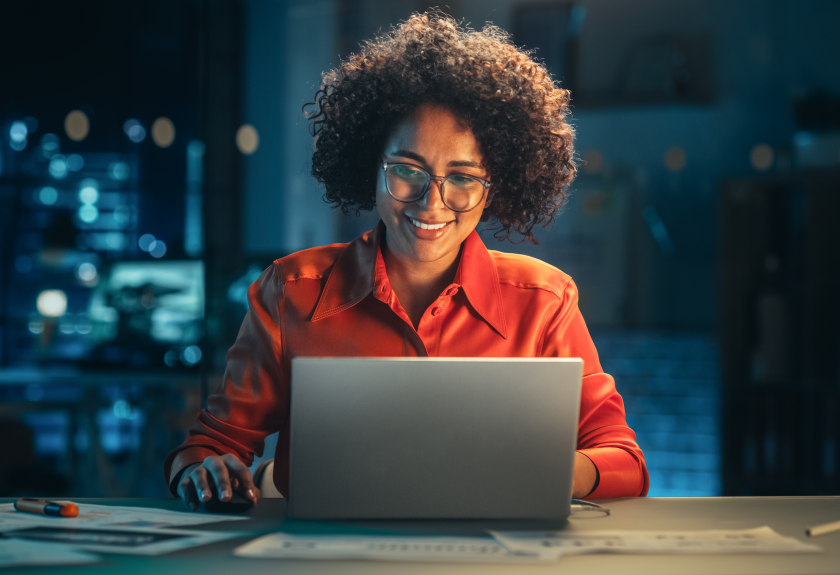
{"x":114,"y":241}
{"x":31,"y":124}
{"x":49,"y":145}
{"x":48,"y":196}
{"x":191,"y":355}
{"x":75,"y":162}
{"x":88,"y":195}
{"x":145,"y":242}
{"x":88,"y":213}
{"x":157,"y":249}
{"x":86,"y":272}
{"x":134,"y":130}
{"x":18,"y":146}
{"x":18,"y":132}
{"x":118,"y":171}
{"x":58,"y":167}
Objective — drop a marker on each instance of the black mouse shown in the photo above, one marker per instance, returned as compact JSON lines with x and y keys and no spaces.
{"x":237,"y":503}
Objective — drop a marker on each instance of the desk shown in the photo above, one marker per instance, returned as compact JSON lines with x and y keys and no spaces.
{"x":787,"y":515}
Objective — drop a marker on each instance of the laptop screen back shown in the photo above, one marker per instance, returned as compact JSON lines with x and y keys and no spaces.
{"x":433,"y":437}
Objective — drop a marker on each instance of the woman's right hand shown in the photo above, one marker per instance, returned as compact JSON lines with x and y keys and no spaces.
{"x":227,"y":473}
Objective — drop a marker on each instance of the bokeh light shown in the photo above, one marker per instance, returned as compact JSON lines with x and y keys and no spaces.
{"x":88,"y":213}
{"x":134,"y":130}
{"x":170,"y":358}
{"x":58,"y":167}
{"x":18,"y":132}
{"x":75,"y":162}
{"x":675,"y":159}
{"x":18,"y":146}
{"x":87,"y":272}
{"x":83,"y":324}
{"x":49,"y":145}
{"x":48,"y":195}
{"x":66,"y":326}
{"x":761,"y":157}
{"x":31,"y":124}
{"x":157,"y":249}
{"x":17,"y":136}
{"x":115,"y":240}
{"x":163,"y":132}
{"x":118,"y":171}
{"x":191,"y":355}
{"x":88,"y":194}
{"x":145,"y":242}
{"x":77,"y":125}
{"x":36,"y":325}
{"x":247,"y":139}
{"x":51,"y":303}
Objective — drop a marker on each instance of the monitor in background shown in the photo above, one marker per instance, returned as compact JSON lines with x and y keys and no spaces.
{"x":148,"y":314}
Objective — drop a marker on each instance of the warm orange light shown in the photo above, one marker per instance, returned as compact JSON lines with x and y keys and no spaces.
{"x":76,"y":125}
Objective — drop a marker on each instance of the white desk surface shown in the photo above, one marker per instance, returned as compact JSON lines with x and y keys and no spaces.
{"x":787,"y":515}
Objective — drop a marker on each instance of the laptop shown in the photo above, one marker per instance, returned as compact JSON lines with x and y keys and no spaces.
{"x":433,"y":438}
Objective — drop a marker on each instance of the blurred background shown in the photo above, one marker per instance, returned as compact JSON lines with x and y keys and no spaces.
{"x":154,"y":159}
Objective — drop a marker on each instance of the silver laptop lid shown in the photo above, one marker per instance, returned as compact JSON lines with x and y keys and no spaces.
{"x":433,"y":437}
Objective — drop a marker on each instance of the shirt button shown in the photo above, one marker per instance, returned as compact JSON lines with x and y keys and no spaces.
{"x":451,"y":291}
{"x":437,"y":310}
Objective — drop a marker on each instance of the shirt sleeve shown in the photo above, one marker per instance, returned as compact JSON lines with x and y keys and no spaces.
{"x":253,"y":400}
{"x":603,"y":434}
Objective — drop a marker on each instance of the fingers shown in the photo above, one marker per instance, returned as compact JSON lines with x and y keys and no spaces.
{"x":201,"y":481}
{"x":186,"y":490}
{"x":226,"y":474}
{"x":242,"y":476}
{"x":218,"y":471}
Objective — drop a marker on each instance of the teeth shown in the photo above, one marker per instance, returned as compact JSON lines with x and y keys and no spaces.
{"x":423,"y":226}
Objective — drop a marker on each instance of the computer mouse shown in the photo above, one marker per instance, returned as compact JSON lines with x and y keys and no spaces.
{"x":237,"y":503}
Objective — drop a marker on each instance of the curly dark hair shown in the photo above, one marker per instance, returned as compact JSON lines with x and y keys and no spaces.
{"x":510,"y":102}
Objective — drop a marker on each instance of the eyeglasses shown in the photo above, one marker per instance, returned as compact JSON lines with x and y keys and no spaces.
{"x":460,"y":193}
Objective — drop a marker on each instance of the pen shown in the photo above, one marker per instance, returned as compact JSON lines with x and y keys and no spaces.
{"x":54,"y":508}
{"x":822,"y":529}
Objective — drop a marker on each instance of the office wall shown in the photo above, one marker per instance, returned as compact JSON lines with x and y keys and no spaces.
{"x":764,"y":54}
{"x":287,"y":46}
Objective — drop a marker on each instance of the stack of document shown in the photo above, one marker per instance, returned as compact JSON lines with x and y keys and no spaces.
{"x":555,"y":544}
{"x":103,"y":529}
{"x":521,"y":546}
{"x":384,"y":548}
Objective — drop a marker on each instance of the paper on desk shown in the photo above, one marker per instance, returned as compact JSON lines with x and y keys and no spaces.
{"x":123,"y":540}
{"x":15,"y":552}
{"x":713,"y":541}
{"x":92,"y":516}
{"x":433,"y":549}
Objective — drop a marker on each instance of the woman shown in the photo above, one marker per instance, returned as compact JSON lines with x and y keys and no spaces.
{"x":438,"y":128}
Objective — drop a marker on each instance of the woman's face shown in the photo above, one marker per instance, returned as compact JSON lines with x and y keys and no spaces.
{"x":435,"y":139}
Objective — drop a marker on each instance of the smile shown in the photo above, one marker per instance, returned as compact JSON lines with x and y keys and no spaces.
{"x":423,"y":226}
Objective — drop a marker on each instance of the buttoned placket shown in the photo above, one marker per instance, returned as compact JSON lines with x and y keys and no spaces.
{"x":430,"y":326}
{"x":433,"y":320}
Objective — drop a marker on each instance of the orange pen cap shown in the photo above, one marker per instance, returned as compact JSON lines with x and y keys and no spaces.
{"x":69,"y":510}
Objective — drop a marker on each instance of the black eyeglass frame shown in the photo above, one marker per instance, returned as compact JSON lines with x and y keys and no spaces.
{"x":484,"y":183}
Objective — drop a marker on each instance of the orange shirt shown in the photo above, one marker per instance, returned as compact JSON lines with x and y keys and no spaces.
{"x":336,"y":301}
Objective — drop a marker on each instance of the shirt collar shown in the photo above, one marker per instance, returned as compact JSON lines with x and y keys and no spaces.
{"x":354,"y":277}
